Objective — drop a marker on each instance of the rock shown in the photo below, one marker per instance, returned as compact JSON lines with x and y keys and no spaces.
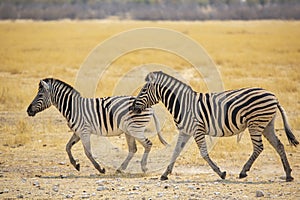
{"x":62,"y":163}
{"x":68,"y":196}
{"x":101,"y":182}
{"x":135,"y":187}
{"x":191,"y":187}
{"x":85,"y":195}
{"x":55,"y":188}
{"x":20,"y":196}
{"x":62,"y":176}
{"x":101,"y":188}
{"x":36,"y":184}
{"x":133,"y":193}
{"x":216,"y":193}
{"x":122,"y":189}
{"x":259,"y":193}
{"x":160,"y":194}
{"x":4,"y":191}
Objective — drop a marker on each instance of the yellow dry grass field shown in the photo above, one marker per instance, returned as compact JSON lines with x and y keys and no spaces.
{"x":33,"y":161}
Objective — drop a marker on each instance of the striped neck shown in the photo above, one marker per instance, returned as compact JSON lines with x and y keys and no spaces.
{"x":62,"y":96}
{"x":173,"y":93}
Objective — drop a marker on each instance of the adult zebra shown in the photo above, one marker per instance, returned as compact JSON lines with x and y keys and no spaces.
{"x":217,"y":114}
{"x":108,"y":116}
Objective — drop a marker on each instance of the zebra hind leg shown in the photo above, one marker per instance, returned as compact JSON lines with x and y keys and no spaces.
{"x":257,"y":149}
{"x":269,"y":133}
{"x":131,"y":151}
{"x":147,"y":144}
{"x":73,"y":140}
{"x":200,"y":140}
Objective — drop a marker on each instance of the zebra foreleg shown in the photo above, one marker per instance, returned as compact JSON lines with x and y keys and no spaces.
{"x":85,"y":138}
{"x":269,"y":133}
{"x":257,"y":149}
{"x":181,"y":142}
{"x":200,"y":140}
{"x":73,"y":140}
{"x":131,"y":151}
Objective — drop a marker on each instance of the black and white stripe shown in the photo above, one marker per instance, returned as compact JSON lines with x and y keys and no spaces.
{"x":216,"y":114}
{"x":109,"y":116}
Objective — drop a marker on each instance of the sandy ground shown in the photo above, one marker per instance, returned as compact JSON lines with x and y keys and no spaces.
{"x":39,"y":169}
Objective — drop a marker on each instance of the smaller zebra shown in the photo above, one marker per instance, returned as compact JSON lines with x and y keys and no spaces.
{"x":221,"y":114}
{"x":109,"y":116}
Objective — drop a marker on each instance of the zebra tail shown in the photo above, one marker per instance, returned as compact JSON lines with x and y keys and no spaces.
{"x":291,"y":137}
{"x":161,"y":139}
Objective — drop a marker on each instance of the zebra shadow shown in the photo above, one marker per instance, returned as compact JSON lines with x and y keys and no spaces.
{"x":97,"y":176}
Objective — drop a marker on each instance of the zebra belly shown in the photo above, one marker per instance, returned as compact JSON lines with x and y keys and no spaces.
{"x":221,"y":130}
{"x":110,"y":133}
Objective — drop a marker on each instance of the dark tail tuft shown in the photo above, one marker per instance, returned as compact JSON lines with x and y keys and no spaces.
{"x":291,"y":137}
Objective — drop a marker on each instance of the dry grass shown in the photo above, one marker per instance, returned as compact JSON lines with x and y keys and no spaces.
{"x":252,"y":53}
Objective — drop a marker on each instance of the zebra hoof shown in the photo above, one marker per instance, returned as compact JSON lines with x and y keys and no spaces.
{"x":144,"y":169}
{"x":289,"y":179}
{"x":78,"y":167}
{"x":223,"y":175}
{"x":163,"y":178}
{"x":243,"y":175}
{"x":102,"y":171}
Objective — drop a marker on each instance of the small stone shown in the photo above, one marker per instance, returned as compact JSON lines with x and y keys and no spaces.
{"x":216,"y":193}
{"x":259,"y":193}
{"x":62,"y":163}
{"x":68,"y":196}
{"x":191,"y":187}
{"x":136,"y":187}
{"x":63,"y":176}
{"x":101,"y":182}
{"x":36,"y":184}
{"x":85,"y":195}
{"x":55,"y":188}
{"x":132,"y":193}
{"x":101,"y":188}
{"x":20,"y":196}
{"x":160,"y":194}
{"x":4,"y":191}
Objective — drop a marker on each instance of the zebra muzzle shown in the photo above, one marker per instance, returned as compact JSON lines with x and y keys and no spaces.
{"x":30,"y":112}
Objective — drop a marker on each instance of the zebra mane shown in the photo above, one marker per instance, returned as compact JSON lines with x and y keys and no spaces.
{"x":53,"y":81}
{"x":159,"y":75}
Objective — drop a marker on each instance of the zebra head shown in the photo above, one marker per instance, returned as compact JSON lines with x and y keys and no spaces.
{"x":148,"y":95}
{"x":42,"y":99}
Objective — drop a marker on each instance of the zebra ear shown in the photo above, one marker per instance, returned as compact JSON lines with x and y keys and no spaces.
{"x":45,"y":85}
{"x":150,"y":77}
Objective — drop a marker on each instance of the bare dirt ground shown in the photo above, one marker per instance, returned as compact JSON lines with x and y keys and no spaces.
{"x":39,"y":169}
